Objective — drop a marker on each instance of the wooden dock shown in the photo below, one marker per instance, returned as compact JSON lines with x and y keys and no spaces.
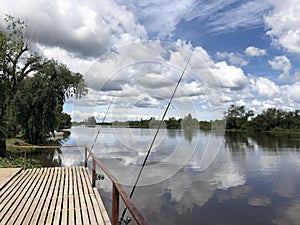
{"x":59,"y":195}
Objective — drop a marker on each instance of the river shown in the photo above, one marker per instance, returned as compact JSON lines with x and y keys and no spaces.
{"x":198,"y":177}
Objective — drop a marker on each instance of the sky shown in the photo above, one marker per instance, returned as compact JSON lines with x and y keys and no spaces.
{"x":132,"y":53}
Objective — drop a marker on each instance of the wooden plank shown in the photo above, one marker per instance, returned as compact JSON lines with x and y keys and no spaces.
{"x":71,"y":197}
{"x":64,"y":214}
{"x":97,"y":212}
{"x":53,"y":196}
{"x":71,"y":210}
{"x":85,"y":216}
{"x":49,"y":196}
{"x":11,"y":183}
{"x":40,"y":198}
{"x":18,"y":199}
{"x":54,"y":200}
{"x":58,"y":207}
{"x":90,"y":208}
{"x":57,"y":210}
{"x":35,"y":196}
{"x":78,"y":217}
{"x":13,"y":188}
{"x":23,"y":203}
{"x":102,"y":207}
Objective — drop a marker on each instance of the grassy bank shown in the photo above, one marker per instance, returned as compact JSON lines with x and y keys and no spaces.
{"x":15,"y":157}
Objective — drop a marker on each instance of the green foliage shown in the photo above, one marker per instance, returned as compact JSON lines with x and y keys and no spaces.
{"x":276,"y":120}
{"x":205,"y":125}
{"x":237,"y":117}
{"x":172,"y":123}
{"x":271,"y":119}
{"x":37,"y":106}
{"x":18,"y":162}
{"x":32,"y":104}
{"x":63,"y":121}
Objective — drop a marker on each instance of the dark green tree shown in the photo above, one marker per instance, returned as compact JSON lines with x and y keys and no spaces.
{"x":64,"y":121}
{"x":17,"y":61}
{"x":237,"y":117}
{"x":37,"y":105}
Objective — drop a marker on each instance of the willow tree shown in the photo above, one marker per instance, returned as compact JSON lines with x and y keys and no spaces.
{"x":17,"y":60}
{"x":37,"y":105}
{"x":23,"y":69}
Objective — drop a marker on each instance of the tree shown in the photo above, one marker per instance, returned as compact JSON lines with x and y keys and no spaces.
{"x":91,"y":121}
{"x":64,"y":121}
{"x":189,"y":123}
{"x":17,"y":57}
{"x":37,"y":105}
{"x":17,"y":61}
{"x":237,"y":117}
{"x":32,"y":103}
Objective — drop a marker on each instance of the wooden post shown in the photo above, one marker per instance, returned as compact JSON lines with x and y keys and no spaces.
{"x":85,"y":156}
{"x":94,"y":173}
{"x":115,"y":205}
{"x":25,"y":158}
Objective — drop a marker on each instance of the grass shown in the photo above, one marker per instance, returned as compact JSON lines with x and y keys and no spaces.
{"x":10,"y":162}
{"x":15,"y":157}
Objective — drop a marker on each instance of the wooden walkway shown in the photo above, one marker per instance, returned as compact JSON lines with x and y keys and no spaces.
{"x":60,"y":195}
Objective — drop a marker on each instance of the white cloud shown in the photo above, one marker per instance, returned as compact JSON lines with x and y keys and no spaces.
{"x":87,"y":29}
{"x":293,"y":92}
{"x":254,"y":51}
{"x":266,"y":88}
{"x":159,"y":17}
{"x":234,"y":58}
{"x":76,"y":64}
{"x":229,"y":76}
{"x":283,"y":64}
{"x":249,"y":14}
{"x":284,"y":25}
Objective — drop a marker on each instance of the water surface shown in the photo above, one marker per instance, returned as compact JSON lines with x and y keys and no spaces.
{"x":240,"y":179}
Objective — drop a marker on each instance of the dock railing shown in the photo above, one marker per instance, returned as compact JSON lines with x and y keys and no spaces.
{"x":117,"y":188}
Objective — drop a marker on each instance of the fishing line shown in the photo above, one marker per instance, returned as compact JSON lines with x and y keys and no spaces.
{"x":152,"y":143}
{"x":98,"y":132}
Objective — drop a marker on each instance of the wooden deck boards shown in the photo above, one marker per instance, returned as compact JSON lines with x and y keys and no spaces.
{"x":52,"y":196}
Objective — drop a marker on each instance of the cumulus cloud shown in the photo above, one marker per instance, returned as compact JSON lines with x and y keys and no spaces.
{"x":283,"y":64}
{"x":254,"y":51}
{"x":283,"y":23}
{"x":293,"y":92}
{"x":234,"y":58}
{"x":229,"y":76}
{"x":75,"y":63}
{"x":266,"y":88}
{"x":87,"y":29}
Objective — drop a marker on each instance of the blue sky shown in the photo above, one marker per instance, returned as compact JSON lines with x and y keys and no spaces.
{"x":245,"y":52}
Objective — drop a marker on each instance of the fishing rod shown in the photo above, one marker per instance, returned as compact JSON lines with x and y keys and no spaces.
{"x":127,"y":220}
{"x":98,"y":132}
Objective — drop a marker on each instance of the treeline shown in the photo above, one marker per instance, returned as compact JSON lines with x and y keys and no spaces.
{"x":186,"y":123}
{"x":272,"y":119}
{"x":236,"y":118}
